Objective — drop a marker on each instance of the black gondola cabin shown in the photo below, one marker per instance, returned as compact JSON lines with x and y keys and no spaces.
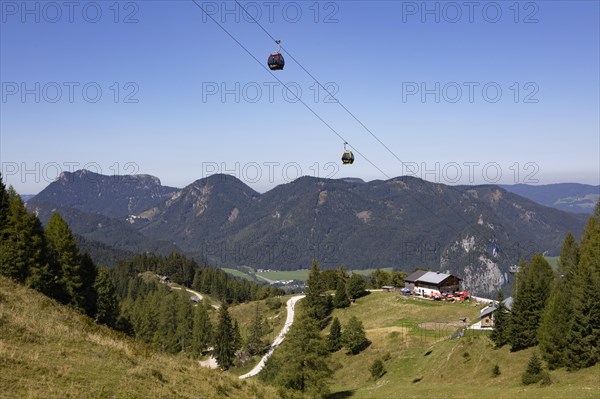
{"x":347,"y":158}
{"x":276,"y":62}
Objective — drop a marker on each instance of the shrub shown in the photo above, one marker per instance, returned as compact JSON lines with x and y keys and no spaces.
{"x":496,"y":371}
{"x":377,"y":369}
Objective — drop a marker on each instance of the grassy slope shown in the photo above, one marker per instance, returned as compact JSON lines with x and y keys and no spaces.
{"x":49,"y":351}
{"x":392,"y":325}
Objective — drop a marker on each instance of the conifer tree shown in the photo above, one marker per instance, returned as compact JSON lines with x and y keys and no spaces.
{"x":202,"y":330}
{"x":88,"y":273}
{"x":16,"y":255}
{"x":255,"y":344}
{"x":584,"y":333}
{"x":501,"y":319}
{"x":64,"y":253}
{"x":224,"y":340}
{"x":318,"y":303}
{"x":557,"y":318}
{"x":165,"y":336}
{"x":334,"y":339}
{"x":355,"y":286}
{"x":300,"y":363}
{"x":533,"y":288}
{"x":353,"y":336}
{"x":533,"y":373}
{"x":3,"y":206}
{"x":106,"y":304}
{"x":340,"y":300}
{"x":185,"y":319}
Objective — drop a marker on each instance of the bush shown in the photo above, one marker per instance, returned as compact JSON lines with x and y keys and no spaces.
{"x":386,"y":357}
{"x":273,"y":303}
{"x":377,"y":369}
{"x":496,"y":371}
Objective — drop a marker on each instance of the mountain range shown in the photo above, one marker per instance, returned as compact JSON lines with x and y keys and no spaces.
{"x":475,"y":232}
{"x":570,"y":197}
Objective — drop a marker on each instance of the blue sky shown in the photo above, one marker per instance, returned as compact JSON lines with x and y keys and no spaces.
{"x":180,"y":99}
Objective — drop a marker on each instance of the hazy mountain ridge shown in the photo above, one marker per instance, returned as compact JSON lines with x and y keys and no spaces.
{"x":570,"y":197}
{"x":113,"y":196}
{"x":477,"y":232}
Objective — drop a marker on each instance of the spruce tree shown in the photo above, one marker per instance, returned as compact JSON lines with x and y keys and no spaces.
{"x":16,"y":254}
{"x":165,"y":336}
{"x":557,"y":318}
{"x":501,"y":319}
{"x":3,"y":206}
{"x":255,"y":344}
{"x":317,"y":302}
{"x":353,"y":336}
{"x":106,"y":304}
{"x":88,"y":273}
{"x":64,"y":253}
{"x":533,"y":288}
{"x":224,"y":340}
{"x":584,"y":333}
{"x":185,"y":320}
{"x":202,"y":330}
{"x":301,"y":362}
{"x":533,"y":373}
{"x":355,"y":286}
{"x":334,"y":339}
{"x":340,"y":300}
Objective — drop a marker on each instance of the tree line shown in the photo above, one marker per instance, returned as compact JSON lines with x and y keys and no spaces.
{"x":557,"y":310}
{"x":48,"y":260}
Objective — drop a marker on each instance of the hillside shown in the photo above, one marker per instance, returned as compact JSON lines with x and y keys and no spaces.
{"x":570,"y":197}
{"x":424,"y":363}
{"x":49,"y":351}
{"x":476,"y":232}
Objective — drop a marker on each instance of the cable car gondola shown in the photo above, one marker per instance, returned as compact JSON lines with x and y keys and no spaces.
{"x":347,"y":156}
{"x":276,"y":61}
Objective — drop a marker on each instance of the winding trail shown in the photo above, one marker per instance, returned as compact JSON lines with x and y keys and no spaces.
{"x":199,"y":295}
{"x":278,"y":340}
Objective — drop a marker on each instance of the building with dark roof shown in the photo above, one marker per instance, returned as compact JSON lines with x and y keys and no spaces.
{"x":424,"y":282}
{"x":487,"y":315}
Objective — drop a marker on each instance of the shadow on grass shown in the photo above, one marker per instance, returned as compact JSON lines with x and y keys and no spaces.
{"x":341,"y":394}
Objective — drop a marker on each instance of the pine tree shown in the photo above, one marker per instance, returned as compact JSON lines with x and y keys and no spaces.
{"x":224,"y":340}
{"x":533,"y":288}
{"x":334,"y":339}
{"x":202,"y":330}
{"x":300,"y":363}
{"x":106,"y":304}
{"x":317,"y":302}
{"x":16,"y":254}
{"x":64,"y":253}
{"x":557,"y":318}
{"x":88,"y":273}
{"x":185,"y":320}
{"x":353,"y":336}
{"x":340,"y":300}
{"x":165,"y":336}
{"x":355,"y":286}
{"x":255,"y":344}
{"x":533,"y":373}
{"x":3,"y":206}
{"x":584,"y":333}
{"x":501,"y":319}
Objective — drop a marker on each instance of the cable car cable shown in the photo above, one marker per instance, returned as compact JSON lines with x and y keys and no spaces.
{"x":469,"y":225}
{"x":323,"y":87}
{"x":294,"y":94}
